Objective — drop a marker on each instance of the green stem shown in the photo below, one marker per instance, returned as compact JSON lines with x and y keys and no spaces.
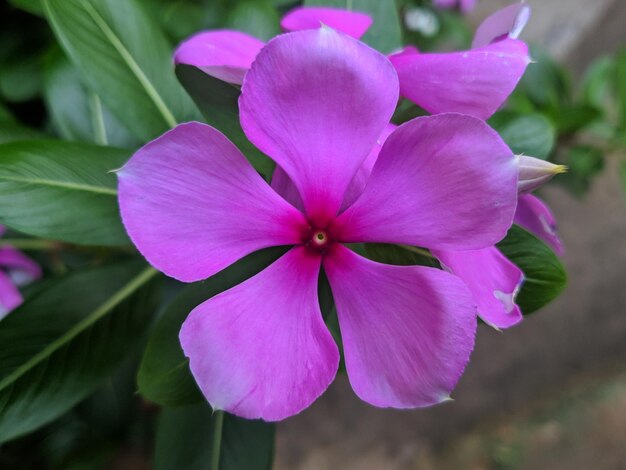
{"x":97,"y":118}
{"x":217,"y":440}
{"x":29,"y":243}
{"x":419,"y":251}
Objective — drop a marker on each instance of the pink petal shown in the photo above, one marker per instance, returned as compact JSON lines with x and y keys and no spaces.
{"x":261,"y":349}
{"x":535,"y":216}
{"x":407,"y":331}
{"x":283,"y":185}
{"x":19,"y":267}
{"x":226,"y":55}
{"x":316,"y":101}
{"x":493,"y":280}
{"x":446,"y":182}
{"x":352,"y":23}
{"x":192,"y":204}
{"x":509,"y":21}
{"x":10,"y":297}
{"x":474,"y":82}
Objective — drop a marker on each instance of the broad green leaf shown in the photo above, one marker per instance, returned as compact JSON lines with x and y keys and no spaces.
{"x":385,"y":33}
{"x":256,"y":18}
{"x":164,"y":376}
{"x":125,"y":59}
{"x":545,"y":276}
{"x":62,"y":190}
{"x":31,"y":6}
{"x":78,"y":114}
{"x":196,"y":438}
{"x":529,"y":134}
{"x":217,"y":100}
{"x":60,"y":344}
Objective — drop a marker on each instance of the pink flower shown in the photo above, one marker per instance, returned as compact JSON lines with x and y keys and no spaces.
{"x":465,"y":6}
{"x":317,"y":101}
{"x":16,"y":270}
{"x":474,"y":82}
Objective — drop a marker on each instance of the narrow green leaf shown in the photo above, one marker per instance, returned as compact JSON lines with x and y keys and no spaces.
{"x":218,"y":102}
{"x":58,"y":346}
{"x":164,"y":375}
{"x":400,"y":255}
{"x":186,"y":439}
{"x":61,"y":190}
{"x":547,"y":84}
{"x":597,"y":81}
{"x":545,"y":276}
{"x":529,"y":134}
{"x":125,"y":59}
{"x":78,"y":114}
{"x":385,"y":33}
{"x":584,"y":163}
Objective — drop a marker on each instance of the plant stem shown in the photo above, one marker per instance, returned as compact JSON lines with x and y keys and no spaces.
{"x":217,"y":440}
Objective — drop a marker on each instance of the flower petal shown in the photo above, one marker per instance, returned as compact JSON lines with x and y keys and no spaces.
{"x":474,"y":82}
{"x":493,"y":280}
{"x":10,"y":297}
{"x":407,"y":331}
{"x":509,"y":21}
{"x":225,"y":55}
{"x":443,"y":182}
{"x":535,"y":216}
{"x":316,"y":101}
{"x":283,"y":185}
{"x":261,"y":349}
{"x":193,"y":205}
{"x":20,"y":268}
{"x":352,"y":23}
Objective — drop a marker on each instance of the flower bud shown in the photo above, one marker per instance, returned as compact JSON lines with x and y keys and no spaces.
{"x":534,"y":173}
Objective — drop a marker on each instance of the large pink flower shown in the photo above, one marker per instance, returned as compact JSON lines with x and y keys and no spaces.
{"x":16,"y":270}
{"x":317,"y":101}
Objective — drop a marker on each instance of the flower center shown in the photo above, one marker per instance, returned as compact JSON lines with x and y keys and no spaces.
{"x":318,"y":240}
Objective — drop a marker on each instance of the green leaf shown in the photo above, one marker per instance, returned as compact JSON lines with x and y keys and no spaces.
{"x":584,"y":163}
{"x":573,"y":118}
{"x":529,"y":134}
{"x":400,"y":255}
{"x":164,"y":375}
{"x":256,"y":18}
{"x":20,"y":79}
{"x":218,"y":102}
{"x":547,"y":84}
{"x":545,"y":276}
{"x":195,"y":438}
{"x":78,"y":114}
{"x":125,"y":59}
{"x":61,"y":190}
{"x":31,"y":6}
{"x":597,"y":81}
{"x":59,"y":345}
{"x":620,"y":83}
{"x":385,"y":33}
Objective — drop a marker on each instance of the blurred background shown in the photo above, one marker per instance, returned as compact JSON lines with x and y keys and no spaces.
{"x":549,"y":393}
